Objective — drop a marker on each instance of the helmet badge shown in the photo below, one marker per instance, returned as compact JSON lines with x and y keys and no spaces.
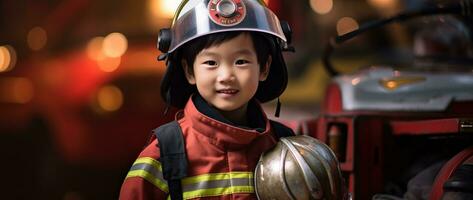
{"x":227,"y":12}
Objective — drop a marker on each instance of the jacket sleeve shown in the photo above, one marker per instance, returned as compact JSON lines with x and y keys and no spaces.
{"x":145,"y":178}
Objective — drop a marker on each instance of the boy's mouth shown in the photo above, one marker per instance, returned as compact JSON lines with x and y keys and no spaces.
{"x":227,"y":91}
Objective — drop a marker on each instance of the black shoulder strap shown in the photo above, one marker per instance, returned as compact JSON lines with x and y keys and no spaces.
{"x":172,"y":156}
{"x":280,"y":130}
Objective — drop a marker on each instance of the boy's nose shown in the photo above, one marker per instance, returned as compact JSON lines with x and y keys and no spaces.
{"x":225,"y":74}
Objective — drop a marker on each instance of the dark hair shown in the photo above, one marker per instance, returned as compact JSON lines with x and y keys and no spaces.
{"x":262,"y":43}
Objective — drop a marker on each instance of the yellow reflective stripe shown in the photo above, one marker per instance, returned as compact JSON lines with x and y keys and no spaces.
{"x":149,"y":160}
{"x":149,"y":169}
{"x":149,"y":177}
{"x":217,"y":184}
{"x":217,"y":176}
{"x":218,"y":191}
{"x":206,"y":185}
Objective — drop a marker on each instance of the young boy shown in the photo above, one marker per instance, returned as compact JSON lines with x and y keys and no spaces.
{"x":224,"y":58}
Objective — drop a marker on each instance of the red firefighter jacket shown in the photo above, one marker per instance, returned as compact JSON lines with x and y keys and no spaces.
{"x":221,"y":157}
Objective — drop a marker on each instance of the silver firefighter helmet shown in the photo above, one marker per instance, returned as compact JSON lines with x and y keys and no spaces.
{"x":299,"y":167}
{"x":196,"y":18}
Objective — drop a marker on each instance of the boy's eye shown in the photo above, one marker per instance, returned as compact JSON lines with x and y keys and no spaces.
{"x":210,"y":62}
{"x":241,"y":62}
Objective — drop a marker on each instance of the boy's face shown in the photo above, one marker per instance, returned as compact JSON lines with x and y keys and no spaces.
{"x":227,"y":74}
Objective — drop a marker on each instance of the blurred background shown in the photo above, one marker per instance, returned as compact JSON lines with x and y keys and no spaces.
{"x":79,"y":82}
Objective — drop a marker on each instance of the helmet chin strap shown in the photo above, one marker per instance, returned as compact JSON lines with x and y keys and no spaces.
{"x":278,"y":108}
{"x":168,"y":104}
{"x":162,"y":57}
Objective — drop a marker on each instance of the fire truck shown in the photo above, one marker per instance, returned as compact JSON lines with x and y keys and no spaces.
{"x":388,"y":124}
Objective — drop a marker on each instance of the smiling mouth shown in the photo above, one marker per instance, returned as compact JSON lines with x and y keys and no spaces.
{"x":229,"y":91}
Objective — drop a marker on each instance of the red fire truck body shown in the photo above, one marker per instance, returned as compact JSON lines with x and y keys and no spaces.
{"x":381,"y":123}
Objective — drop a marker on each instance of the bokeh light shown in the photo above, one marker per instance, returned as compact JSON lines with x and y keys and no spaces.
{"x":346,"y":25}
{"x":114,"y":45}
{"x":164,"y":8}
{"x":110,"y":98}
{"x":109,"y":64}
{"x":94,"y":48}
{"x":16,"y":90}
{"x":355,"y":81}
{"x":321,"y":6}
{"x":107,"y":51}
{"x":383,"y":4}
{"x":37,"y":38}
{"x":7,"y":58}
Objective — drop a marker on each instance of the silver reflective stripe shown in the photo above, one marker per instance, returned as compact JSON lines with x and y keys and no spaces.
{"x":150,"y":169}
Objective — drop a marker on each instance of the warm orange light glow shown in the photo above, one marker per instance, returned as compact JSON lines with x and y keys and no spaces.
{"x":94,"y":48}
{"x":397,"y":82}
{"x":7,"y":58}
{"x":16,"y":90}
{"x":346,"y":25}
{"x":163,"y":8}
{"x":110,"y":98}
{"x":37,"y":38}
{"x":114,"y":45}
{"x":391,"y":84}
{"x":383,"y":4}
{"x":107,"y":51}
{"x":4,"y":59}
{"x":321,"y":6}
{"x":109,"y":64}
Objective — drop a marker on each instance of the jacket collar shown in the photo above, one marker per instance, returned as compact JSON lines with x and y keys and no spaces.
{"x":254,"y":114}
{"x":207,"y":121}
